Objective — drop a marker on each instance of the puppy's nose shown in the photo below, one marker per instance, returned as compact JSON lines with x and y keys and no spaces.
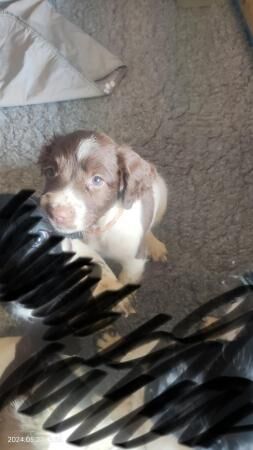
{"x":61,"y":214}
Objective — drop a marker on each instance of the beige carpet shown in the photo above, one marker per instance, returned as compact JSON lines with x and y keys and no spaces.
{"x":14,"y":179}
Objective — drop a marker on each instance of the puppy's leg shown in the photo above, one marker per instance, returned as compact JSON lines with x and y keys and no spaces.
{"x":108,"y":281}
{"x":156,"y":249}
{"x":132,"y":271}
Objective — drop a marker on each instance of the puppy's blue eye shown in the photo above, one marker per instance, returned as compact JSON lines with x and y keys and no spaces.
{"x":97,"y":180}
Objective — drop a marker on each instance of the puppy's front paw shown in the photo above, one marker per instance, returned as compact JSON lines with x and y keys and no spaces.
{"x":158,"y":251}
{"x":106,"y":284}
{"x":125,"y":306}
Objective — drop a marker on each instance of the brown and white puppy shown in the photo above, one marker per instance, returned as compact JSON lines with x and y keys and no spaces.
{"x":107,"y":192}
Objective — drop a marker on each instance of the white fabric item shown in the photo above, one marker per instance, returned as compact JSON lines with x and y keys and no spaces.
{"x":45,"y":58}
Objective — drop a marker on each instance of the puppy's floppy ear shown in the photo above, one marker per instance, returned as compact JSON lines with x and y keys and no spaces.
{"x":135,"y":175}
{"x":47,"y":149}
{"x":44,"y":155}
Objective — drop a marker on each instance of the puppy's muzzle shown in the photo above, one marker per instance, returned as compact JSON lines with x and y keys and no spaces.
{"x":63,"y":215}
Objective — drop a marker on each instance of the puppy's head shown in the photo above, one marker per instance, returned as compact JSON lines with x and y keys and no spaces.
{"x":85,"y":174}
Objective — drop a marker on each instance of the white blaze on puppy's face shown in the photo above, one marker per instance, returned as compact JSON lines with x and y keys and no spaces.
{"x":86,"y":147}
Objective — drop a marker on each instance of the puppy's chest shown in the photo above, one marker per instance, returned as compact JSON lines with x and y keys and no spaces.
{"x":122,"y":238}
